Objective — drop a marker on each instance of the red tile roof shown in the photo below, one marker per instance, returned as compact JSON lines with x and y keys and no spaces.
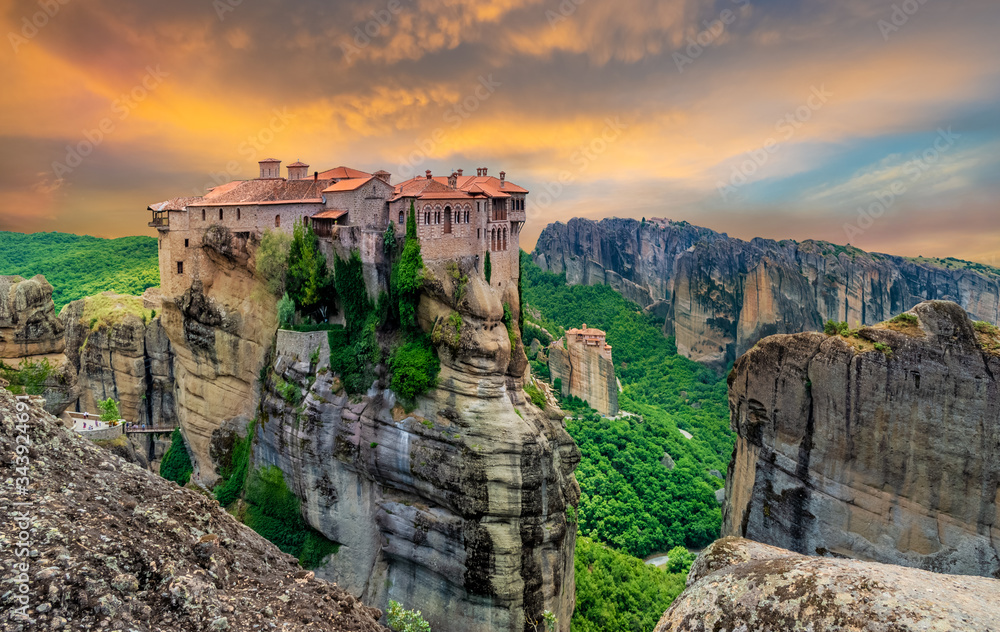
{"x":175,"y":204}
{"x":342,"y":173}
{"x":298,"y":164}
{"x":263,"y":191}
{"x":485,"y":185}
{"x":352,"y":184}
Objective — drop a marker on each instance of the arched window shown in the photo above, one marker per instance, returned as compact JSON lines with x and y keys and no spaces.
{"x":277,"y":221}
{"x":238,"y":214}
{"x":505,"y":239}
{"x":466,"y":216}
{"x":427,"y":218}
{"x":401,"y":217}
{"x":220,"y":214}
{"x":493,"y":240}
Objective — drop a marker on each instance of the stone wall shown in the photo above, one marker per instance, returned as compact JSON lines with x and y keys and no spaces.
{"x":103,"y":434}
{"x":298,"y":346}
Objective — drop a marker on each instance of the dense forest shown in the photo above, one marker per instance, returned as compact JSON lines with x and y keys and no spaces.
{"x":645,"y":487}
{"x":79,"y":265}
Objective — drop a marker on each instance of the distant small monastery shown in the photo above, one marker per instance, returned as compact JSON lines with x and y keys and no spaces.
{"x":585,"y":368}
{"x":458,"y":216}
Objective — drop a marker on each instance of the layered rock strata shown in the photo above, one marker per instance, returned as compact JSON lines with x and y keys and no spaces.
{"x":28,"y":323}
{"x":457,"y":507}
{"x":738,"y":584}
{"x":883,"y":446}
{"x":718,"y":295}
{"x":585,"y":373}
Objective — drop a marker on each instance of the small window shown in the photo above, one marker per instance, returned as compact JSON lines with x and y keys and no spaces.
{"x":277,"y":221}
{"x":401,"y":217}
{"x":203,"y":215}
{"x":180,"y":267}
{"x":238,"y":214}
{"x":220,"y":214}
{"x":185,"y":243}
{"x":467,"y":217}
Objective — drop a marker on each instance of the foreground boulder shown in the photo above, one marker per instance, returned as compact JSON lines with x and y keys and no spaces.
{"x":882,"y":444}
{"x":740,"y":585}
{"x":99,"y":543}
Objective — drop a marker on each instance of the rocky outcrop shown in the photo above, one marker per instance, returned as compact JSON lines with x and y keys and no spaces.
{"x":220,"y":330}
{"x":458,"y":506}
{"x":718,"y":295}
{"x":28,"y":323}
{"x":585,"y":373}
{"x":738,"y":584}
{"x":119,"y":349}
{"x":110,"y":545}
{"x":883,"y":446}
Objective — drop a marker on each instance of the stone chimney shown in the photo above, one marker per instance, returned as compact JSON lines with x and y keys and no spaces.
{"x":298,"y":171}
{"x":503,"y":175}
{"x":453,"y":180}
{"x":428,"y":172}
{"x":459,"y":173}
{"x":383,"y":175}
{"x":270,"y":168}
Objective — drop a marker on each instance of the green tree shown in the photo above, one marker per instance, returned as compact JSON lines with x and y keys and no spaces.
{"x":679,"y":560}
{"x":310,"y":285}
{"x":402,"y":620}
{"x":109,"y":411}
{"x":415,"y":368}
{"x":272,"y":260}
{"x":286,"y":311}
{"x":407,"y":278}
{"x":487,"y":267}
{"x":176,"y":464}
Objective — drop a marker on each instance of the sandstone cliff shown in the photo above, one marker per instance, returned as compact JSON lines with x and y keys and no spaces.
{"x":119,"y":349}
{"x":583,"y":372}
{"x":720,"y":295}
{"x":220,"y":330}
{"x":28,"y":323}
{"x":457,"y":507}
{"x":743,"y":585}
{"x":883,"y":446}
{"x":108,"y":545}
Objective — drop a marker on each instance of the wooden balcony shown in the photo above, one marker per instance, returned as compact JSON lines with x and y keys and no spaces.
{"x":159,"y":221}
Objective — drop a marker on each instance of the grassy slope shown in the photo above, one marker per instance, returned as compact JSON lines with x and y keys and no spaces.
{"x":80,"y":265}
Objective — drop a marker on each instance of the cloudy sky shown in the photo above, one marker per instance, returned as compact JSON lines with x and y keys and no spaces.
{"x":871,"y":122}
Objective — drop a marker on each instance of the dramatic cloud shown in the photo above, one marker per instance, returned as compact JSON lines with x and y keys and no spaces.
{"x":778,"y":118}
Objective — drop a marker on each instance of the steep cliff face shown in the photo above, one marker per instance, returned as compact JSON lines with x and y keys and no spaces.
{"x":719,"y":295}
{"x":457,"y":507}
{"x":586,"y":374}
{"x":219,"y":330}
{"x":119,"y":349}
{"x":28,"y":323}
{"x":887,"y":453}
{"x":743,"y":585}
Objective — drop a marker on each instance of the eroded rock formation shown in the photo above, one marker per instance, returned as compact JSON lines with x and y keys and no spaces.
{"x":585,"y":373}
{"x":883,"y":446}
{"x":738,"y":584}
{"x":720,"y":295}
{"x":28,"y":323}
{"x":119,"y":349}
{"x":113,"y":545}
{"x":458,"y":506}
